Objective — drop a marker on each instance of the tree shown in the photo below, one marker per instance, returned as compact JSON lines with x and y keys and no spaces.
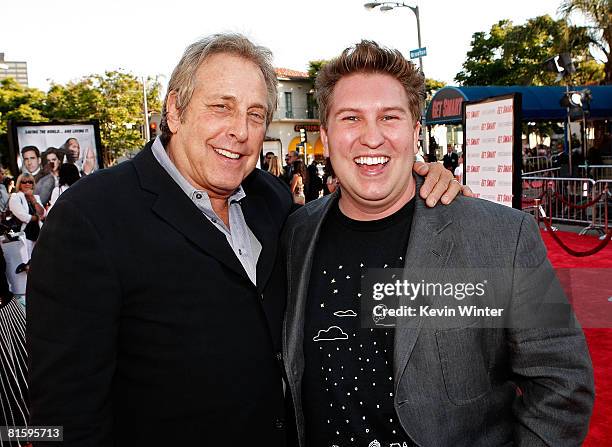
{"x":17,"y":103}
{"x":513,"y":54}
{"x":599,"y":13}
{"x":314,"y":67}
{"x":432,"y":86}
{"x":115,"y":99}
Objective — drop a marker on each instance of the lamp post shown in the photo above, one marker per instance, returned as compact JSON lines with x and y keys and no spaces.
{"x":388,"y":6}
{"x":147,"y":130}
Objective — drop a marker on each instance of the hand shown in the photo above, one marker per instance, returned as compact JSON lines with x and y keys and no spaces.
{"x":439,"y":184}
{"x":90,"y":161}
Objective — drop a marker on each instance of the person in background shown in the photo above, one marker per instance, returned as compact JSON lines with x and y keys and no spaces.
{"x":27,"y":207}
{"x":52,"y":158}
{"x":266,"y":162}
{"x":4,"y":194}
{"x":330,"y":181}
{"x":314,"y":186}
{"x":291,"y":157}
{"x":275,"y":167}
{"x":9,"y":184}
{"x":298,"y":182}
{"x":450,"y":159}
{"x":459,"y":170}
{"x":68,"y":175}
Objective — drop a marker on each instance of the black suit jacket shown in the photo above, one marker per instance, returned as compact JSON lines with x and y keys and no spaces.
{"x":143,"y":327}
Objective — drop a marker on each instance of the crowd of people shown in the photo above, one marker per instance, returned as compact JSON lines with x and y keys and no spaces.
{"x":24,"y":206}
{"x":305,"y":183}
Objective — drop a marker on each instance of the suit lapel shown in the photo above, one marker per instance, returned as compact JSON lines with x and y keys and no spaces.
{"x":258,"y":218}
{"x":173,"y":206}
{"x":429,"y":247}
{"x":300,"y":254}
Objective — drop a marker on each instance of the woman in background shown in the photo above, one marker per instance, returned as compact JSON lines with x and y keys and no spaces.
{"x":299,"y":179}
{"x":275,"y":167}
{"x":28,"y":209}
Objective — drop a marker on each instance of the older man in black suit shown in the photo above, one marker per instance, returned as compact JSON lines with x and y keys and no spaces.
{"x":154,"y":300}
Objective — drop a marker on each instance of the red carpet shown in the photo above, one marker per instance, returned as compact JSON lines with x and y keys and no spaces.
{"x":599,"y":339}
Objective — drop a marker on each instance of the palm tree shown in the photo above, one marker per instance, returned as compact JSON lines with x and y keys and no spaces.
{"x":599,"y":13}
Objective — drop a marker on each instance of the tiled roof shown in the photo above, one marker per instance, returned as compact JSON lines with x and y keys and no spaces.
{"x":288,"y":73}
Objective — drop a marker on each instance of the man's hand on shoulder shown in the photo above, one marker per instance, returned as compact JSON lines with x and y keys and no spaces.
{"x":440,"y":184}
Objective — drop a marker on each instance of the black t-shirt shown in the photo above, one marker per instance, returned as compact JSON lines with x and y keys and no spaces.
{"x":347,"y":387}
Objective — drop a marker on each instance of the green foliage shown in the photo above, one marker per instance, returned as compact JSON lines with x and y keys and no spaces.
{"x":514,"y":54}
{"x":17,"y":103}
{"x":113,"y":98}
{"x":599,"y":14}
{"x":314,"y":67}
{"x":432,"y":86}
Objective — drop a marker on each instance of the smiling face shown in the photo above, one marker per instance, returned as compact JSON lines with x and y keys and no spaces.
{"x":74,"y":150}
{"x":26,"y":184}
{"x":371,"y":139}
{"x":31,"y":161}
{"x":218,"y":142}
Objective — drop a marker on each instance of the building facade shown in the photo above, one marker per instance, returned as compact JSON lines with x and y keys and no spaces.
{"x":15,"y":70}
{"x":297,"y":109}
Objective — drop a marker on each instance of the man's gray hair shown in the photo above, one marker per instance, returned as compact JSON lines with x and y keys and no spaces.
{"x":183,"y":77}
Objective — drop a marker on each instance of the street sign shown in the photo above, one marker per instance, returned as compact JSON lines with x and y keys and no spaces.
{"x":419,"y":52}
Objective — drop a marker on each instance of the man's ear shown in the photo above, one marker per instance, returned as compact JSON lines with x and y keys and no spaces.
{"x":324,"y":141}
{"x":172,"y":113}
{"x":417,"y":132}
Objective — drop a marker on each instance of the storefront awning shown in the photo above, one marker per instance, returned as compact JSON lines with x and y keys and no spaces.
{"x":539,"y":103}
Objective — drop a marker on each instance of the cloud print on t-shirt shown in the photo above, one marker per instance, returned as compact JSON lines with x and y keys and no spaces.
{"x":333,"y":333}
{"x":345,"y":313}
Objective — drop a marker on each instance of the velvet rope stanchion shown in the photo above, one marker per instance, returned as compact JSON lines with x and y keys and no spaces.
{"x":578,"y":207}
{"x":578,"y":254}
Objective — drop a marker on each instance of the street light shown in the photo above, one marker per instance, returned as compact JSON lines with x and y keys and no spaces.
{"x":388,"y":6}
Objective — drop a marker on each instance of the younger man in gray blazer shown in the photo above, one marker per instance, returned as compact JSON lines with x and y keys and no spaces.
{"x":423,"y":383}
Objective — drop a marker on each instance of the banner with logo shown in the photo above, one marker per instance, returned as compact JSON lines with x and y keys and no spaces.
{"x":492,"y":148}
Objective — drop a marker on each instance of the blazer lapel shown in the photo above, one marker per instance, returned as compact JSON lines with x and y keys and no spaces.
{"x":259,"y":219}
{"x":429,"y":247}
{"x":173,"y":206}
{"x":300,"y":254}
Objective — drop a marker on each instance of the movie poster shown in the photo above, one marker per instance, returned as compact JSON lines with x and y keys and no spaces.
{"x":78,"y":143}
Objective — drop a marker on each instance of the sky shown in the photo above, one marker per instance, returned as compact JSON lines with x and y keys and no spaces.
{"x":64,"y":40}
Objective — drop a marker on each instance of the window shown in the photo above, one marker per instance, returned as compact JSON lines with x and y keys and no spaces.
{"x":288,"y":105}
{"x":311,"y":106}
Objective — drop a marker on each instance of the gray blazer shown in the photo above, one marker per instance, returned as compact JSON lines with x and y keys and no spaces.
{"x":465,"y":386}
